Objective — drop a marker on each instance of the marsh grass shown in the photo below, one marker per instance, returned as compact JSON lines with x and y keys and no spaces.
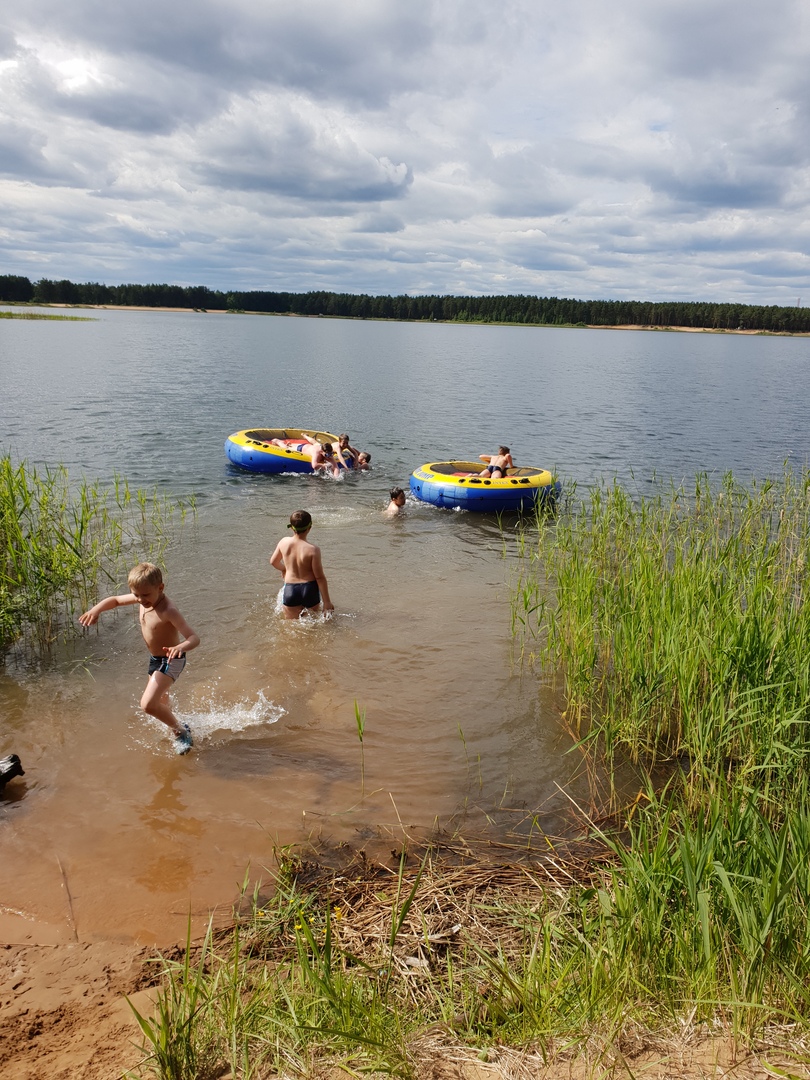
{"x":680,"y":625}
{"x":375,"y":969}
{"x":61,"y":543}
{"x":37,"y":315}
{"x":680,"y":621}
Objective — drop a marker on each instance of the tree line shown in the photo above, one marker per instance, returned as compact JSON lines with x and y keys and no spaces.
{"x":529,"y":310}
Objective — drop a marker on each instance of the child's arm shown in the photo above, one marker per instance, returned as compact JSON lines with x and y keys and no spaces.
{"x":191,"y":638}
{"x":89,"y":618}
{"x":277,"y":560}
{"x":320,"y":577}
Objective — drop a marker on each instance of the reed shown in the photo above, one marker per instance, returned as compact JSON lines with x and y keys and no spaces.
{"x":38,"y":316}
{"x":360,"y":723}
{"x":60,"y":542}
{"x":680,"y":621}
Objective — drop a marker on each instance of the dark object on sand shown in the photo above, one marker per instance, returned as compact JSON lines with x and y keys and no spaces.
{"x":9,"y":768}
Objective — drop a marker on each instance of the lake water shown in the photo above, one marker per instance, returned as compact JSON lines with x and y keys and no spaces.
{"x":456,"y":735}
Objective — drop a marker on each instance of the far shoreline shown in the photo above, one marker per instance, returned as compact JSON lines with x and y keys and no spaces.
{"x":443,"y":322}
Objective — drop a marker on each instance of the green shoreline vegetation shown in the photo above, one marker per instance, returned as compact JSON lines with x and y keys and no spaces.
{"x":39,"y":315}
{"x":59,"y":541}
{"x":508,"y":310}
{"x":680,"y":626}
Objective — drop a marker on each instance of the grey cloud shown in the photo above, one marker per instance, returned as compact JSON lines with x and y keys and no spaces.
{"x":272,"y":148}
{"x":363,"y":54}
{"x":379,"y":223}
{"x":703,"y":39}
{"x":22,"y":156}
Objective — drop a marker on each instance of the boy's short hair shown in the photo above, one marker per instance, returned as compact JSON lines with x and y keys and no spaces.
{"x":145,"y":573}
{"x":396,"y":492}
{"x":300,"y":521}
{"x":504,"y":450}
{"x":327,"y":449}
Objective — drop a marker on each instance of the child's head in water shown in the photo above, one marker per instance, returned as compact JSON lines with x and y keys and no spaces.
{"x":397,"y":502}
{"x":300,"y":521}
{"x":364,"y":460}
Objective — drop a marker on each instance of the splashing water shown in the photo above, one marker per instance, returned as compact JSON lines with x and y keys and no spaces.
{"x":215,"y":718}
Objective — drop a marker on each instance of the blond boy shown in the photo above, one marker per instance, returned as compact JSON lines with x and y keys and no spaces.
{"x":168,"y":638}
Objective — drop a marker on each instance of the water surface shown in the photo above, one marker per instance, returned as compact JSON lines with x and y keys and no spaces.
{"x":456,"y":735}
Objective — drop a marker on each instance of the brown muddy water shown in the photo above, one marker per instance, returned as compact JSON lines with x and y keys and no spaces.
{"x":109,"y":835}
{"x":455,"y":736}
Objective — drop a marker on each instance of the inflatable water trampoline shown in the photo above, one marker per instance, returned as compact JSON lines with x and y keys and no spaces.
{"x":253,"y":449}
{"x":466,"y":485}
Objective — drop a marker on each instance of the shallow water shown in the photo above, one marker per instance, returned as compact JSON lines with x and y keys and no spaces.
{"x":456,"y":735}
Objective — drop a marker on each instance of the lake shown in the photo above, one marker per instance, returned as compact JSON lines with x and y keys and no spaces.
{"x":457,"y":736}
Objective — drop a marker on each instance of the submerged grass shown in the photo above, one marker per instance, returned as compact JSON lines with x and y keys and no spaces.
{"x":60,"y":542}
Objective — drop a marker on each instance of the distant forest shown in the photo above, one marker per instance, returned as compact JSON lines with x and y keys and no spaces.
{"x":530,"y":310}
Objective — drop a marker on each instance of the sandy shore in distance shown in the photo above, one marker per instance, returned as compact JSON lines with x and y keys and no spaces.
{"x":539,"y":326}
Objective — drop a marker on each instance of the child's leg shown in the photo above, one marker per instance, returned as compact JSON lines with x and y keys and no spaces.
{"x":155,"y":700}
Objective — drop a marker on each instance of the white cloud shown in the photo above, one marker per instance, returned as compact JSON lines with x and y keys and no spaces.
{"x":632,"y":149}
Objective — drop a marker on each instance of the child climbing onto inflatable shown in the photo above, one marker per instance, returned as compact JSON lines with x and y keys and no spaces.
{"x":168,"y":638}
{"x":299,"y":563}
{"x":497,"y":464}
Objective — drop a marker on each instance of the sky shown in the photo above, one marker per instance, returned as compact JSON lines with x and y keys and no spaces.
{"x":638,"y":149}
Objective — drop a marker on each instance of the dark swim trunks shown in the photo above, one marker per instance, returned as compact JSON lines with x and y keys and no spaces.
{"x":301,"y":594}
{"x":172,"y":668}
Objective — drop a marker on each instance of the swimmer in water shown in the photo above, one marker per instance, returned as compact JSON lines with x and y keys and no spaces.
{"x":396,"y":504}
{"x":299,"y":563}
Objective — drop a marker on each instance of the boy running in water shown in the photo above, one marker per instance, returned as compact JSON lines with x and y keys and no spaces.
{"x":168,"y":638}
{"x":299,"y":563}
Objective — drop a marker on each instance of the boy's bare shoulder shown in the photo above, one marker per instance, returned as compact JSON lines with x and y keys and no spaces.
{"x":170,"y":608}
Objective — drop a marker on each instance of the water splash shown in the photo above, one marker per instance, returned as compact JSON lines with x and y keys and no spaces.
{"x":215,"y":719}
{"x":307,"y":619}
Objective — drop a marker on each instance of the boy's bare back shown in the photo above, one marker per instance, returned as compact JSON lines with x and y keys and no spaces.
{"x":302,"y":559}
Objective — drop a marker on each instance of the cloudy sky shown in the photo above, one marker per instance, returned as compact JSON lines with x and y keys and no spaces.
{"x":635,"y":149}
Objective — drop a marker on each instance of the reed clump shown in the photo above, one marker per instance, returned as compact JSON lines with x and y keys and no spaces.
{"x":60,"y":541}
{"x":452,"y":958}
{"x":39,"y":316}
{"x":680,"y":623}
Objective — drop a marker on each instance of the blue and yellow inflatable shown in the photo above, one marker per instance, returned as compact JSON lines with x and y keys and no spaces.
{"x":448,"y":484}
{"x":252,"y":449}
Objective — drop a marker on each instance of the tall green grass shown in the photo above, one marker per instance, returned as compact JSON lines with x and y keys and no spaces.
{"x":62,"y":543}
{"x":680,"y":621}
{"x":681,"y":624}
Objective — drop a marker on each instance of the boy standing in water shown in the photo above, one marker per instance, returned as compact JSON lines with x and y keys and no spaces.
{"x":168,"y":638}
{"x":299,"y":563}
